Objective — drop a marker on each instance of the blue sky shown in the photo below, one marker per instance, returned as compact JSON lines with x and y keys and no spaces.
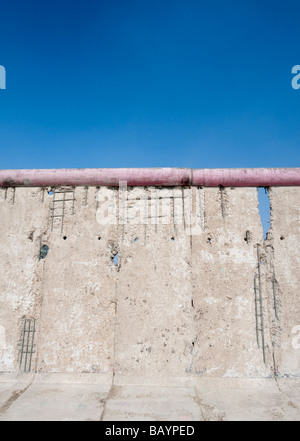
{"x":125,"y":83}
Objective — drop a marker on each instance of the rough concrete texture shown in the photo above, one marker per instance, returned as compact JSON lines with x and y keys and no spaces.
{"x":197,"y":319}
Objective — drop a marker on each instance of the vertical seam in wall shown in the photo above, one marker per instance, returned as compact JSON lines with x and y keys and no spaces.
{"x":121,"y":214}
{"x":146,"y":208}
{"x":191,"y":193}
{"x":156,"y":209}
{"x":201,"y":208}
{"x":195,"y":337}
{"x":266,"y":324}
{"x":273,"y":318}
{"x":39,"y":331}
{"x":109,"y":396}
{"x":115,"y":324}
{"x":40,"y":318}
{"x":173,"y":210}
{"x":261,"y":304}
{"x":223,"y":202}
{"x":86,"y":195}
{"x":120,"y":252}
{"x":183,"y":207}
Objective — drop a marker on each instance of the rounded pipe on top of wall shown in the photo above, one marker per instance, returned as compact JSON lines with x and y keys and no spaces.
{"x":164,"y":177}
{"x":247,"y":177}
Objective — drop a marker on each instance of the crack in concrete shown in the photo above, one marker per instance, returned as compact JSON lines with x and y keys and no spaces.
{"x":14,"y":397}
{"x":208,"y":413}
{"x":290,"y":402}
{"x":109,"y":396}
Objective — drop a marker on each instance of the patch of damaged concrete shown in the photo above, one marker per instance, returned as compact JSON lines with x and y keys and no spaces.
{"x":14,"y":397}
{"x":208,"y":412}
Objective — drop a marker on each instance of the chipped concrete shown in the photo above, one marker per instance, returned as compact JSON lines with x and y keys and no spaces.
{"x":171,"y":330}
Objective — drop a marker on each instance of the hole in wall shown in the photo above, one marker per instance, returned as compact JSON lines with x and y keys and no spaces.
{"x":264,"y":209}
{"x":116,"y":259}
{"x":248,"y":237}
{"x":208,"y":240}
{"x":281,"y":237}
{"x":99,"y":238}
{"x":172,"y":238}
{"x":65,"y":238}
{"x":50,"y":192}
{"x":30,"y":236}
{"x":136,"y":240}
{"x":44,"y":251}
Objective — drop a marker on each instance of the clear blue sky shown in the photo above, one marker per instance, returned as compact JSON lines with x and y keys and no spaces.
{"x":127,"y":83}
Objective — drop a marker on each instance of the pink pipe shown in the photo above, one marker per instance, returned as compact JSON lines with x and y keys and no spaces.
{"x":241,"y":177}
{"x":246,"y":177}
{"x":96,"y":177}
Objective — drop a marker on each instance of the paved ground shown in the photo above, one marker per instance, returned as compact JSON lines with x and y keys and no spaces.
{"x":88,"y":398}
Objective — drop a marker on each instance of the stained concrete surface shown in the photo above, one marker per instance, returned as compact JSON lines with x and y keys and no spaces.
{"x":222,"y":399}
{"x":198,"y":320}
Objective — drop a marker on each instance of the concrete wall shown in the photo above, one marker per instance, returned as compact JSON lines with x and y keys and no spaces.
{"x":181,"y":300}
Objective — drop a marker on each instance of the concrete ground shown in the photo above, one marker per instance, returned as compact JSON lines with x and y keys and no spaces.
{"x":87,"y":397}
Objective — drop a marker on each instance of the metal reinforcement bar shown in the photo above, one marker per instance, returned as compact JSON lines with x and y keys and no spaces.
{"x":261,"y":315}
{"x":239,"y":177}
{"x":26,"y":345}
{"x":256,"y":311}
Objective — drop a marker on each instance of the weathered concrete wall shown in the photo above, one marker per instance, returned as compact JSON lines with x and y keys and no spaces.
{"x":184,"y":299}
{"x":283,"y":279}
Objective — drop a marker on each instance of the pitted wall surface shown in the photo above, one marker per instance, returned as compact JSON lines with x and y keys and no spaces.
{"x":183,"y":289}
